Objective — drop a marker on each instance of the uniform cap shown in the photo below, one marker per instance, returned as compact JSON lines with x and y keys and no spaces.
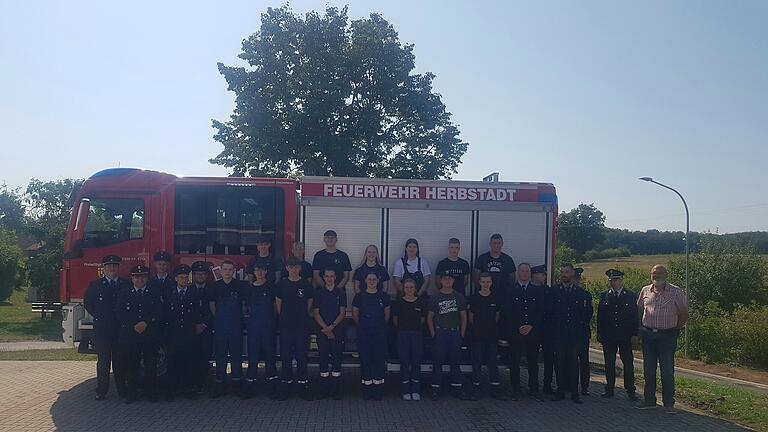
{"x":162,"y":256}
{"x":140,"y":269}
{"x":614,"y":274}
{"x":182,"y":269}
{"x":539,"y":269}
{"x":111,"y":259}
{"x":200,"y":266}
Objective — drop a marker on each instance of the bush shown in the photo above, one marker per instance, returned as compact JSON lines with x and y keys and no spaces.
{"x":11,"y":270}
{"x":738,"y":337}
{"x":724,"y":273}
{"x":591,"y":255}
{"x":565,"y":255}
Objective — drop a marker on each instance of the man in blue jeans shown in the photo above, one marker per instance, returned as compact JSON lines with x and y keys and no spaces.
{"x":663,"y":310}
{"x":447,"y":323}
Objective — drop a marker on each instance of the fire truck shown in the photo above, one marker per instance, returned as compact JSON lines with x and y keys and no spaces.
{"x":134,"y":213}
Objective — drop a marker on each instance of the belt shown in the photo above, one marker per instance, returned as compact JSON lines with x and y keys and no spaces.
{"x":663,"y":331}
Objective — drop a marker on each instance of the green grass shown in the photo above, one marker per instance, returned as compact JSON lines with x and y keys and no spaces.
{"x":18,"y":323}
{"x":595,"y":270}
{"x":741,"y":406}
{"x":47,"y":355}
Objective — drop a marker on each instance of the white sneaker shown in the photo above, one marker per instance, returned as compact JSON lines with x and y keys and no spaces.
{"x":407,"y":396}
{"x":416,"y":396}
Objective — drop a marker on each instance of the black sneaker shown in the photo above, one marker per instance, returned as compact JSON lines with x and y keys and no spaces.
{"x":607,"y":394}
{"x":576,"y":399}
{"x":100,"y":396}
{"x":558,"y":397}
{"x":585,"y":392}
{"x":647,"y":405}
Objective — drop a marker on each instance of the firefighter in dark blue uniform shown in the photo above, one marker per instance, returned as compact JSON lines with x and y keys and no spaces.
{"x":370,"y":310}
{"x":583,"y":355}
{"x":571,"y":313}
{"x":204,"y":351}
{"x":162,"y":280}
{"x":139,"y":311}
{"x":226,"y":303}
{"x":546,"y":338}
{"x":293,"y":300}
{"x":523,"y":309}
{"x":330,"y":308}
{"x":182,"y":324}
{"x":99,"y":301}
{"x":260,"y":327}
{"x":617,"y":326}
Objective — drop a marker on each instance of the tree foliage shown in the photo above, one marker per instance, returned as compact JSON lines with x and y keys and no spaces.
{"x":723,"y":273}
{"x":323,"y":96}
{"x":12,"y":215}
{"x":581,"y":229}
{"x":49,"y":205}
{"x":10,"y":264}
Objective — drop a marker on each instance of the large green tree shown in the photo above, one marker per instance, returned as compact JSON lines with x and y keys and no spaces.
{"x":49,"y":205}
{"x":581,"y":228}
{"x":323,"y":96}
{"x":12,"y":215}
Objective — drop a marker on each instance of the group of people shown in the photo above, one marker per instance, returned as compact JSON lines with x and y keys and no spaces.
{"x":282,"y":304}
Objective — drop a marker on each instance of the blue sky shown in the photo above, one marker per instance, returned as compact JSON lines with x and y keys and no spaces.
{"x":587,"y":95}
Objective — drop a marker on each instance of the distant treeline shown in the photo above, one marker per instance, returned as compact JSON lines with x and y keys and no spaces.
{"x":654,"y":242}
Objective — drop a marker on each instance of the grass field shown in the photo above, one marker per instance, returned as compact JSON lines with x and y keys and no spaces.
{"x":594,"y":270}
{"x":18,"y":323}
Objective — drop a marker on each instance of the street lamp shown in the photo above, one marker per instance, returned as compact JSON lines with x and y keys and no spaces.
{"x":687,"y":232}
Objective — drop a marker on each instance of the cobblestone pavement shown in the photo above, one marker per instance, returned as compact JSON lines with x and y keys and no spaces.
{"x":58,"y":395}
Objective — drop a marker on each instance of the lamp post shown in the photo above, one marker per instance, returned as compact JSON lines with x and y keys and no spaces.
{"x":687,"y":232}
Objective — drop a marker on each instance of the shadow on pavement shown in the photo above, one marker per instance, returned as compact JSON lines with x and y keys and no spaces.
{"x":76,"y":410}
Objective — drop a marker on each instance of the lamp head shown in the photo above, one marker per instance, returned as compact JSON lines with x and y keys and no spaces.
{"x":646,"y":179}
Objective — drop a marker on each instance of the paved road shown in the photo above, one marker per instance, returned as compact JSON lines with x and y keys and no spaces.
{"x":32,"y":345}
{"x":40,"y":396}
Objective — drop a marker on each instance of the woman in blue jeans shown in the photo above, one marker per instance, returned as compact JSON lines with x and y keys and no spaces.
{"x":408,"y":316}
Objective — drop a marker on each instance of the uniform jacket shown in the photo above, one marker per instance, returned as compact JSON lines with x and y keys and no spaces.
{"x":134,"y":307}
{"x":617,"y":317}
{"x":523,"y":307}
{"x":181,"y":314}
{"x":571,"y":313}
{"x":100,"y":300}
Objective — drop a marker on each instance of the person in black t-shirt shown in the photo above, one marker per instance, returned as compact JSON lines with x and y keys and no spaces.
{"x":297,"y":250}
{"x":371,"y":263}
{"x":484,"y":318}
{"x":266,"y":258}
{"x":500,"y":265}
{"x":408,"y":315}
{"x":455,"y":265}
{"x":293,"y":300}
{"x":331,"y":257}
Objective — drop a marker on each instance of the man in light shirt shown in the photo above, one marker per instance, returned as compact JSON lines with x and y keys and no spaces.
{"x":663,"y":311}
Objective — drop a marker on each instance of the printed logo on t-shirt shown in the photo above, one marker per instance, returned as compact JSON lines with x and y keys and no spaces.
{"x":495,"y":266}
{"x":447,"y":306}
{"x":300,"y":293}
